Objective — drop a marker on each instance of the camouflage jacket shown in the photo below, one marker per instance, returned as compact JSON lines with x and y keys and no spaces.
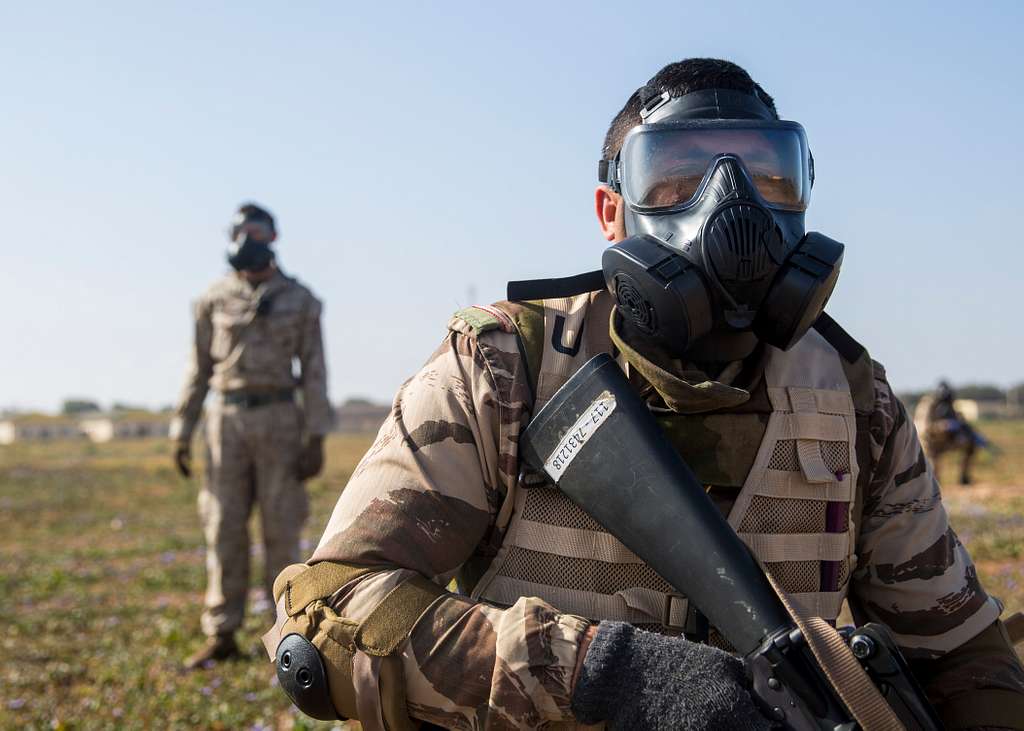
{"x":425,"y":500}
{"x":246,"y":339}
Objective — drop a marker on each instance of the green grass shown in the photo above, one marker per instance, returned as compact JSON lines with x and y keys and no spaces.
{"x":101,"y":579}
{"x":989,"y":517}
{"x":101,"y":576}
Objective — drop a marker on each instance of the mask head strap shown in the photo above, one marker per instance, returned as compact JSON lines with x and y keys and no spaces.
{"x":705,"y":104}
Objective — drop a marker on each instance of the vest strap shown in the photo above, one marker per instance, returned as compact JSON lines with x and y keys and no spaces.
{"x":573,"y":543}
{"x":772,"y":547}
{"x":776,"y":483}
{"x":636,"y":606}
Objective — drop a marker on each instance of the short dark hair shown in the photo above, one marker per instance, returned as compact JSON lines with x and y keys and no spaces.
{"x":679,"y":78}
{"x":253,"y":212}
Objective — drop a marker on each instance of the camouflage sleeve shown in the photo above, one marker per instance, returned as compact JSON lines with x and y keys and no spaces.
{"x":916,"y":577}
{"x":425,"y":499}
{"x":197,"y":378}
{"x":316,"y":407}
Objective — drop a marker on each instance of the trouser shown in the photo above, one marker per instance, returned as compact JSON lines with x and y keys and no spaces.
{"x":251,"y":458}
{"x":952,"y":435}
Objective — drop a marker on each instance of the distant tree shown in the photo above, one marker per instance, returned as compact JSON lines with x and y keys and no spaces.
{"x":78,"y":406}
{"x":358,"y":401}
{"x":980,"y":392}
{"x":910,"y":399}
{"x":1015,"y":394}
{"x":119,"y":406}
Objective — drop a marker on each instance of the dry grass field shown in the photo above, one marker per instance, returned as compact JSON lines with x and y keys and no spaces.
{"x":101,"y":573}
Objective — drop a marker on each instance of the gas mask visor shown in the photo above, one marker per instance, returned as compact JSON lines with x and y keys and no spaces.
{"x":254,"y":228}
{"x":665,"y":167}
{"x":250,"y":239}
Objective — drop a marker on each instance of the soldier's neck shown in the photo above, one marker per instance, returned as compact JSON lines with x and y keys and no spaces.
{"x":713,"y":352}
{"x":255,"y":279}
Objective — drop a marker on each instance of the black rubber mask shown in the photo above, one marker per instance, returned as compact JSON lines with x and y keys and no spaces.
{"x":249,"y":254}
{"x":715,"y":191}
{"x":249,"y":249}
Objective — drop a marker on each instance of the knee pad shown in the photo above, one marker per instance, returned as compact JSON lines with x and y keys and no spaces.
{"x":303,"y":677}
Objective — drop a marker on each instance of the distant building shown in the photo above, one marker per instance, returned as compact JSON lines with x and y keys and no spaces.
{"x":126,"y":425}
{"x":357,"y":416}
{"x":38,"y":428}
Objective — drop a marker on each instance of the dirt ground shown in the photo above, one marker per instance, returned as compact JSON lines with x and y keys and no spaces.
{"x":101,"y":576}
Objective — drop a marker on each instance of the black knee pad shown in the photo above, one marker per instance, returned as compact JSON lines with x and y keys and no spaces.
{"x":302,"y":676}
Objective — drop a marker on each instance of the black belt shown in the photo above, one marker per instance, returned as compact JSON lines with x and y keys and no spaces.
{"x":255,"y":399}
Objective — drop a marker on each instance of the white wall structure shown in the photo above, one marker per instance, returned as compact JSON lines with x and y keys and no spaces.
{"x":38,"y":428}
{"x":126,"y":425}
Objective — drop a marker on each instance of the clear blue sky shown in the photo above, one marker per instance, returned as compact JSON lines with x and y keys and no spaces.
{"x":419,"y":155}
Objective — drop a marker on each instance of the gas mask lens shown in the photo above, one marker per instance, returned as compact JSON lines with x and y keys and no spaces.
{"x":247,"y":228}
{"x":664,"y":166}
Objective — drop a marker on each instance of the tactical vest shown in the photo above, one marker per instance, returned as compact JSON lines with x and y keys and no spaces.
{"x":796,"y":509}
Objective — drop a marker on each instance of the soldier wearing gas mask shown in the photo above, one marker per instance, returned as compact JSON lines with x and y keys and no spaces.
{"x":264,"y":427}
{"x":711,"y":299}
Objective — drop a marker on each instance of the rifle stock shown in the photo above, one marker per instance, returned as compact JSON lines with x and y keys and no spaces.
{"x":600,"y":445}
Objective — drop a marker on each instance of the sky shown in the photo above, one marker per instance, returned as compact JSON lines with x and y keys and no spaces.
{"x":419,"y":155}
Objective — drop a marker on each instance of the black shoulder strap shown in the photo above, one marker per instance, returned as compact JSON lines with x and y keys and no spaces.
{"x":838,"y":338}
{"x":542,"y":289}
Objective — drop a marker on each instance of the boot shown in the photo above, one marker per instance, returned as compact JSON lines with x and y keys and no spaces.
{"x":216,"y":649}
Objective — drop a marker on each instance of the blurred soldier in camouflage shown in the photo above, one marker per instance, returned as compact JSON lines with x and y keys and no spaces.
{"x":804,"y":448}
{"x":264,"y":428}
{"x":946,"y":430}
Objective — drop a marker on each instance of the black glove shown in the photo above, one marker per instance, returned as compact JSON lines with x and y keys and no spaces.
{"x":633,"y":679}
{"x":311,"y":458}
{"x":183,"y":459}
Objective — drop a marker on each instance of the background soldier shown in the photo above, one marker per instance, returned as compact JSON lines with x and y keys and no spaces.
{"x":795,"y":432}
{"x":946,"y":430}
{"x":250,"y":327}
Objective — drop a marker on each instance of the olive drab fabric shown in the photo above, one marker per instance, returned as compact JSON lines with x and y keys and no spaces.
{"x":439,"y":495}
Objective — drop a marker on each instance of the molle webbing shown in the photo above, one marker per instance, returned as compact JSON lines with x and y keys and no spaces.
{"x":555,"y":551}
{"x":794,"y":510}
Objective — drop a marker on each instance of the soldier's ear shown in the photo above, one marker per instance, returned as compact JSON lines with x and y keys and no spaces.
{"x":611,"y":213}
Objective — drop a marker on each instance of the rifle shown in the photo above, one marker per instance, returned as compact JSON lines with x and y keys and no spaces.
{"x":597,"y":441}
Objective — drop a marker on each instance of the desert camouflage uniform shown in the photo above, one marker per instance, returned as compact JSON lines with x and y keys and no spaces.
{"x":427,"y":499}
{"x":246,"y":340}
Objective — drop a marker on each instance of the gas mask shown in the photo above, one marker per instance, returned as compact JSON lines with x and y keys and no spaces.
{"x":249,"y":249}
{"x":715,"y":190}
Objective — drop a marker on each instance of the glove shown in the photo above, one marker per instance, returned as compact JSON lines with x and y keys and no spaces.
{"x":311,"y":458}
{"x":183,"y":459}
{"x":632,"y":679}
